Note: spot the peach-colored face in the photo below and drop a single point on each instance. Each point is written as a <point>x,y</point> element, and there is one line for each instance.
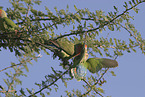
<point>86,47</point>
<point>86,54</point>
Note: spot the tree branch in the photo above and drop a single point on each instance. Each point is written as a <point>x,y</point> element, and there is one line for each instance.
<point>28,60</point>
<point>101,26</point>
<point>95,83</point>
<point>13,79</point>
<point>91,87</point>
<point>131,34</point>
<point>7,91</point>
<point>29,5</point>
<point>49,84</point>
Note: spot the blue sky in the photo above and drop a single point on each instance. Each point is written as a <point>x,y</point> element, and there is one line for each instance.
<point>130,78</point>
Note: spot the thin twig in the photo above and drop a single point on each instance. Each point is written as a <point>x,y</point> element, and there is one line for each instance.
<point>102,46</point>
<point>131,34</point>
<point>101,26</point>
<point>7,91</point>
<point>95,83</point>
<point>13,79</point>
<point>49,84</point>
<point>91,87</point>
<point>18,64</point>
<point>29,5</point>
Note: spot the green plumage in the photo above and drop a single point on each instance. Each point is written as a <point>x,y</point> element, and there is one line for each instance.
<point>5,22</point>
<point>66,46</point>
<point>96,64</point>
<point>82,57</point>
<point>64,49</point>
<point>8,24</point>
<point>80,66</point>
<point>82,63</point>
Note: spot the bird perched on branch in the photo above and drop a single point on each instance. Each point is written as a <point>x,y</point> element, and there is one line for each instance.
<point>82,63</point>
<point>5,23</point>
<point>64,49</point>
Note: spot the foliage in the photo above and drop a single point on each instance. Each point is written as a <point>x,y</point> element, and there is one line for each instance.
<point>37,28</point>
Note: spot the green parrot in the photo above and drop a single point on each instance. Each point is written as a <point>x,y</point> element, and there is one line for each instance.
<point>82,63</point>
<point>64,49</point>
<point>5,22</point>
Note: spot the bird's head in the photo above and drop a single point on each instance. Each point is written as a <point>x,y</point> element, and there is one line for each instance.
<point>2,13</point>
<point>85,52</point>
<point>85,47</point>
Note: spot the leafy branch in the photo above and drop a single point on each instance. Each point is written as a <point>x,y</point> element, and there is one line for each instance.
<point>95,84</point>
<point>101,26</point>
<point>50,83</point>
<point>13,80</point>
<point>91,88</point>
<point>22,62</point>
<point>35,32</point>
<point>135,37</point>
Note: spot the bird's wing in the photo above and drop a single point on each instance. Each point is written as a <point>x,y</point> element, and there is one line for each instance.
<point>9,23</point>
<point>96,64</point>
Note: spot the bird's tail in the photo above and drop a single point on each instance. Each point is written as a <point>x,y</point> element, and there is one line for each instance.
<point>109,63</point>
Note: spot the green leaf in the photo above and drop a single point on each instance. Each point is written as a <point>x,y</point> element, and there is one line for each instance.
<point>136,10</point>
<point>75,8</point>
<point>134,50</point>
<point>115,40</point>
<point>111,27</point>
<point>112,72</point>
<point>26,68</point>
<point>137,1</point>
<point>18,81</point>
<point>7,74</point>
<point>13,64</point>
<point>56,9</point>
<point>100,89</point>
<point>94,79</point>
<point>1,87</point>
<point>48,93</point>
<point>78,18</point>
<point>67,8</point>
<point>85,24</point>
<point>56,89</point>
<point>126,6</point>
<point>130,3</point>
<point>65,84</point>
<point>54,70</point>
<point>42,94</point>
<point>38,84</point>
<point>29,90</point>
<point>37,2</point>
<point>6,82</point>
<point>22,92</point>
<point>133,1</point>
<point>115,8</point>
